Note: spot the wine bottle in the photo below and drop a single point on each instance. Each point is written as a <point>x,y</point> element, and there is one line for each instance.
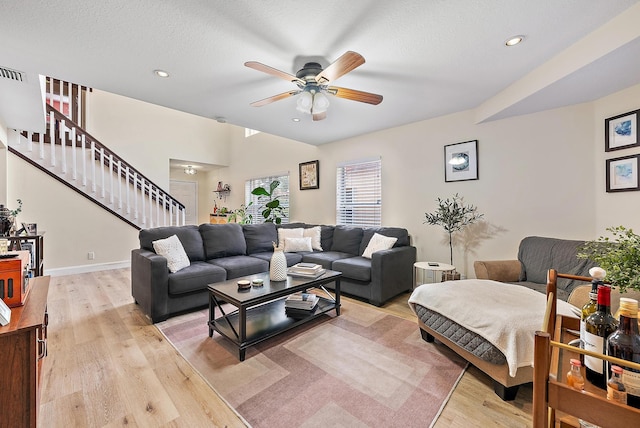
<point>624,343</point>
<point>598,326</point>
<point>589,307</point>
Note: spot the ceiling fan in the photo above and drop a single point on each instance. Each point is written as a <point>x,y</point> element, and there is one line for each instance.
<point>313,84</point>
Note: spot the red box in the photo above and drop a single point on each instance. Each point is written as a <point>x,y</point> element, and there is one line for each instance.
<point>14,283</point>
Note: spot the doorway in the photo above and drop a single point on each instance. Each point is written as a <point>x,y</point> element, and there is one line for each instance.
<point>187,193</point>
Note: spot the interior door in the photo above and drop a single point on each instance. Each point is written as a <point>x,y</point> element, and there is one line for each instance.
<point>187,193</point>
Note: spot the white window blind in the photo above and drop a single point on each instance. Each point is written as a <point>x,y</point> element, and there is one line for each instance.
<point>282,192</point>
<point>359,193</point>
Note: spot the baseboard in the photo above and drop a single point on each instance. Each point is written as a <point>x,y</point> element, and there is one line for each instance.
<point>72,270</point>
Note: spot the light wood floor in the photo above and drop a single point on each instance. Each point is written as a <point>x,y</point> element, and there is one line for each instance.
<point>107,366</point>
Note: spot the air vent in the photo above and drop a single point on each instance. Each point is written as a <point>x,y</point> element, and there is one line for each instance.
<point>7,73</point>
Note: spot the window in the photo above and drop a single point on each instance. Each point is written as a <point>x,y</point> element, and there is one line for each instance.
<point>282,192</point>
<point>359,193</point>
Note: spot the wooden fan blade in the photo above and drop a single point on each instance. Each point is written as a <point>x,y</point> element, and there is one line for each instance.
<point>352,94</point>
<point>347,62</point>
<point>274,72</point>
<point>320,116</point>
<point>274,98</point>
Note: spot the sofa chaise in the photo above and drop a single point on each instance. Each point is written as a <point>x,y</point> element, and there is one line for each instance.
<point>217,252</point>
<point>536,255</point>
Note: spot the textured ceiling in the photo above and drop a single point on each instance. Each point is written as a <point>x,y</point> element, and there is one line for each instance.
<point>426,57</point>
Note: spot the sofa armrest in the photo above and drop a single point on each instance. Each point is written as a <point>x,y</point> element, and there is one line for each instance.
<point>498,270</point>
<point>391,273</point>
<point>150,283</point>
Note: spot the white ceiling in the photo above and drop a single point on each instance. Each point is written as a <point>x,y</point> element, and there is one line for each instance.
<point>427,58</point>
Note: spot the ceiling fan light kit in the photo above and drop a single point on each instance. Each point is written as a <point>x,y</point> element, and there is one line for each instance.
<point>313,85</point>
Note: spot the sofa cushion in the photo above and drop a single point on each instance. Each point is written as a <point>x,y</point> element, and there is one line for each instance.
<point>400,233</point>
<point>315,233</point>
<point>292,258</point>
<point>358,268</point>
<point>171,249</point>
<point>260,237</point>
<point>195,277</point>
<point>378,243</point>
<point>237,266</point>
<point>297,245</point>
<point>284,233</point>
<point>539,254</point>
<point>325,258</point>
<point>347,239</point>
<point>223,240</point>
<point>189,237</point>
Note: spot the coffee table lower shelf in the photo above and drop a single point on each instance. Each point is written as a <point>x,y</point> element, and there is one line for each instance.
<point>264,322</point>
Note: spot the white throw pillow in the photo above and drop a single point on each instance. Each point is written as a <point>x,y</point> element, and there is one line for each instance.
<point>288,233</point>
<point>314,234</point>
<point>171,249</point>
<point>377,243</point>
<point>294,245</point>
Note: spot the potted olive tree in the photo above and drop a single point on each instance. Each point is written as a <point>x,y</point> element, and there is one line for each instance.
<point>453,215</point>
<point>619,255</point>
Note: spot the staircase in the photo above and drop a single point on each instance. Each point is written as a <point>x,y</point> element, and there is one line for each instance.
<point>72,156</point>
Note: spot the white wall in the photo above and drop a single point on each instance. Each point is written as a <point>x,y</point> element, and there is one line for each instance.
<point>619,208</point>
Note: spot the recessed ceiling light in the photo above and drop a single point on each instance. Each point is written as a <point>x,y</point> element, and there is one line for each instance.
<point>296,119</point>
<point>161,73</point>
<point>512,41</point>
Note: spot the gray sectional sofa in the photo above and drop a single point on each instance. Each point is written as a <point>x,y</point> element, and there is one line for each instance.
<point>218,252</point>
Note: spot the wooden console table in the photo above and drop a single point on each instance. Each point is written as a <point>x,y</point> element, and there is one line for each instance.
<point>23,345</point>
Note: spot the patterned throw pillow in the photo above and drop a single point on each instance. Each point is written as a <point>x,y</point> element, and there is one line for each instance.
<point>294,245</point>
<point>378,242</point>
<point>171,249</point>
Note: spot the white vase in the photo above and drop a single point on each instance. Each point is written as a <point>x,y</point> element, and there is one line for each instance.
<point>278,266</point>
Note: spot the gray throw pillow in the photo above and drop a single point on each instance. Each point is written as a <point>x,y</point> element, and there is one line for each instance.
<point>223,240</point>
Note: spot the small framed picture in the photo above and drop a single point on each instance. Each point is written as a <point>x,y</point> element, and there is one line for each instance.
<point>621,132</point>
<point>309,175</point>
<point>30,228</point>
<point>622,174</point>
<point>461,161</point>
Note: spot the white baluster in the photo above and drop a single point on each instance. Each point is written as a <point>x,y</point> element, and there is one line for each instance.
<point>102,181</point>
<point>164,209</point>
<point>150,205</point>
<point>70,98</point>
<point>63,146</point>
<point>93,166</point>
<point>74,172</point>
<point>41,145</point>
<point>128,191</point>
<point>135,194</point>
<point>144,212</point>
<point>52,137</point>
<point>111,185</point>
<point>29,141</point>
<point>119,184</point>
<point>83,153</point>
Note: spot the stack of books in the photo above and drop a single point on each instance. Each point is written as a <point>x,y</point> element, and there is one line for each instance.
<point>306,270</point>
<point>300,304</point>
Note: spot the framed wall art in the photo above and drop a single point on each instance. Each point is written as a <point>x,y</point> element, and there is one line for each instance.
<point>309,175</point>
<point>461,161</point>
<point>621,132</point>
<point>622,174</point>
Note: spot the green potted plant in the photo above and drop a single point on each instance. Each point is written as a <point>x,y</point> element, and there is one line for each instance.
<point>272,210</point>
<point>240,215</point>
<point>453,215</point>
<point>619,255</point>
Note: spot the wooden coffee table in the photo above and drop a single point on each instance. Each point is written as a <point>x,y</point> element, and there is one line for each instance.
<point>260,312</point>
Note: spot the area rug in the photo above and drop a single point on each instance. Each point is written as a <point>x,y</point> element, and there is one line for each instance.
<point>364,368</point>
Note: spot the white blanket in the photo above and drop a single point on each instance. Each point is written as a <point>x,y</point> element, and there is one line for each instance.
<point>506,315</point>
